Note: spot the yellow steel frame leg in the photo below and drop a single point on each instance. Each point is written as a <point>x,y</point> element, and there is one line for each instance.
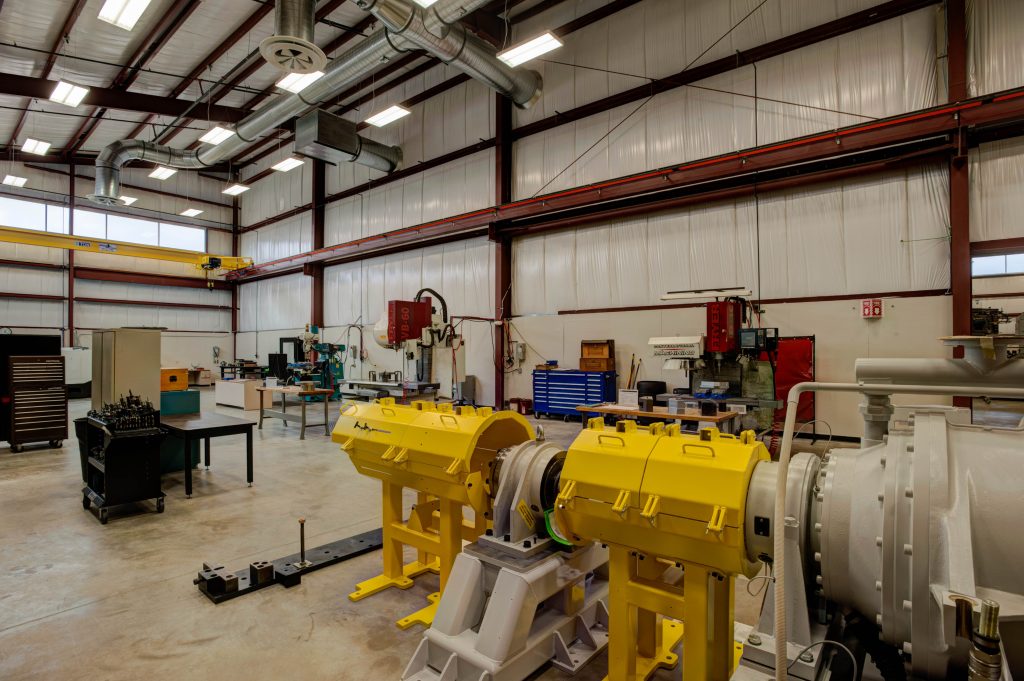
<point>708,649</point>
<point>637,645</point>
<point>435,528</point>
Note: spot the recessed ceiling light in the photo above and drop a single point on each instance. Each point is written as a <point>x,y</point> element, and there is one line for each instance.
<point>127,200</point>
<point>190,212</point>
<point>297,82</point>
<point>35,146</point>
<point>68,93</point>
<point>216,135</point>
<point>162,172</point>
<point>235,189</point>
<point>15,181</point>
<point>123,13</point>
<point>287,164</point>
<point>531,49</point>
<point>388,115</point>
<point>425,3</point>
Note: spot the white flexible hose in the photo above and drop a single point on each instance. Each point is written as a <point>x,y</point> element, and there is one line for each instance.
<point>779,519</point>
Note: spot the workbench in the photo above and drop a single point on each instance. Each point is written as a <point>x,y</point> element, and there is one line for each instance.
<point>725,421</point>
<point>242,371</point>
<point>403,391</point>
<point>191,427</point>
<point>300,418</point>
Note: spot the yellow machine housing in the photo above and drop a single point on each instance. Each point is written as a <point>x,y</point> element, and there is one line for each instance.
<point>659,497</point>
<point>446,455</point>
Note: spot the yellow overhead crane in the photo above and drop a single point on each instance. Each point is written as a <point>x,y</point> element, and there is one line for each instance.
<point>201,261</point>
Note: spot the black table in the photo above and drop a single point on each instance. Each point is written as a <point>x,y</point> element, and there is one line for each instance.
<point>189,427</point>
<point>242,370</point>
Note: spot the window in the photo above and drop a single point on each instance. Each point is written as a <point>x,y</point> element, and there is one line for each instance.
<point>132,230</point>
<point>994,265</point>
<point>88,223</point>
<point>22,214</point>
<point>56,219</point>
<point>179,236</point>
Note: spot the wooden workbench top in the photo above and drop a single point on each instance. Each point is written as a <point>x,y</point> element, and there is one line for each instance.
<point>608,408</point>
<point>295,390</point>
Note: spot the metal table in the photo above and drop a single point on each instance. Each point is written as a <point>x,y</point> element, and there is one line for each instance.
<point>189,427</point>
<point>242,370</point>
<point>300,418</point>
<point>369,390</point>
<point>723,420</point>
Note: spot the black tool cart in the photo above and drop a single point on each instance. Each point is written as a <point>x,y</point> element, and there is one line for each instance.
<point>121,456</point>
<point>33,397</point>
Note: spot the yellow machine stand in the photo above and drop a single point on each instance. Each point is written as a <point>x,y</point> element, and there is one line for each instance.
<point>662,500</point>
<point>446,456</point>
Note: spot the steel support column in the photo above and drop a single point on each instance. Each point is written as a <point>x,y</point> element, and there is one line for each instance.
<point>71,256</point>
<point>316,270</point>
<point>235,222</point>
<point>503,244</point>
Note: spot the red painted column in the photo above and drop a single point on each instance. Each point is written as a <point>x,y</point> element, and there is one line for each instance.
<point>316,270</point>
<point>502,244</point>
<point>235,223</point>
<point>71,255</point>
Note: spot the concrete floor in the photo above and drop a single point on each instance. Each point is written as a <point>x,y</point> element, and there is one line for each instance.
<point>79,600</point>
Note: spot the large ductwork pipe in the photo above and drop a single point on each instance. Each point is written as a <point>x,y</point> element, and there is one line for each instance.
<point>292,48</point>
<point>438,27</point>
<point>437,32</point>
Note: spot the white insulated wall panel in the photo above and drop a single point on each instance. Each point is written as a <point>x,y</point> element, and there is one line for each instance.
<point>881,234</point>
<point>276,193</point>
<point>997,203</point>
<point>32,280</point>
<point>271,304</point>
<point>457,187</point>
<point>288,237</point>
<point>16,312</point>
<point>878,71</point>
<point>995,51</point>
<point>248,304</point>
<point>104,315</point>
<point>87,288</point>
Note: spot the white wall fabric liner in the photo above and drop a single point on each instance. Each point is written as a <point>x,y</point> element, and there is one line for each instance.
<point>102,316</point>
<point>278,303</point>
<point>462,272</point>
<point>278,240</point>
<point>997,202</point>
<point>878,234</point>
<point>276,193</point>
<point>463,185</point>
<point>31,280</point>
<point>878,71</point>
<point>995,51</point>
<point>30,313</point>
<point>87,288</point>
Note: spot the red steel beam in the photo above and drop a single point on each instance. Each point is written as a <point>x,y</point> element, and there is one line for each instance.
<point>938,122</point>
<point>32,265</point>
<point>997,247</point>
<point>154,41</point>
<point>69,22</point>
<point>41,88</point>
<point>96,274</point>
<point>32,296</point>
<point>959,183</point>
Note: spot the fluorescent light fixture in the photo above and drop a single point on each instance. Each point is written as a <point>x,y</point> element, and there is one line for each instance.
<point>297,82</point>
<point>127,200</point>
<point>287,164</point>
<point>388,115</point>
<point>190,212</point>
<point>162,172</point>
<point>235,190</point>
<point>738,291</point>
<point>15,181</point>
<point>68,93</point>
<point>216,135</point>
<point>35,146</point>
<point>123,13</point>
<point>531,49</point>
<point>425,3</point>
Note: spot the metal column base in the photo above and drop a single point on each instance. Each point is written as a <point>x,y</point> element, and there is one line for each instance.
<point>501,618</point>
<point>219,585</point>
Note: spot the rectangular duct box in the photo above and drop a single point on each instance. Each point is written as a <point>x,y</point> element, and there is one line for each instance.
<point>327,137</point>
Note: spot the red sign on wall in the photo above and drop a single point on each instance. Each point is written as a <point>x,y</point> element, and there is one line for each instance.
<point>872,308</point>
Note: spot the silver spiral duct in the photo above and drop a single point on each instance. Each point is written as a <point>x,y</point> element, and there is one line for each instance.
<point>292,48</point>
<point>436,31</point>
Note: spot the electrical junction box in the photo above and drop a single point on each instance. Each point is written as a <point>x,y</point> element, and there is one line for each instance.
<point>872,308</point>
<point>723,325</point>
<point>407,319</point>
<point>678,347</point>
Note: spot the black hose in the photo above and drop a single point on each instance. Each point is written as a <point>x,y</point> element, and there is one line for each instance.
<point>861,637</point>
<point>444,305</point>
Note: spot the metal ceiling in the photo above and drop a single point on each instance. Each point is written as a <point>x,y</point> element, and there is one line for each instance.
<point>217,40</point>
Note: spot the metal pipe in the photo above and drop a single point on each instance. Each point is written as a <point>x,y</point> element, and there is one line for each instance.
<point>410,27</point>
<point>779,516</point>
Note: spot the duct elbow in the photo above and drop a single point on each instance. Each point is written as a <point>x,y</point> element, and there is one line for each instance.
<point>116,155</point>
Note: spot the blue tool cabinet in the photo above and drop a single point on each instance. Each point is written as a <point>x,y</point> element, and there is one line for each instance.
<point>560,392</point>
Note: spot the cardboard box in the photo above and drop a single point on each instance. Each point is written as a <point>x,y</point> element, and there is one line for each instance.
<point>596,364</point>
<point>173,379</point>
